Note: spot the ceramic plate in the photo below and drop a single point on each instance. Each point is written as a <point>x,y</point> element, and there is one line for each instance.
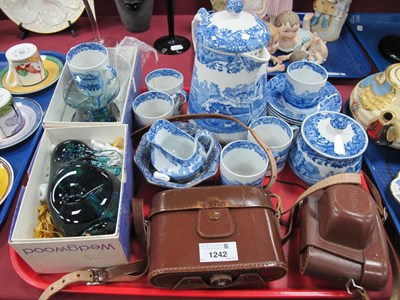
<point>32,113</point>
<point>53,66</point>
<point>142,160</point>
<point>395,188</point>
<point>330,100</point>
<point>43,16</point>
<point>6,179</point>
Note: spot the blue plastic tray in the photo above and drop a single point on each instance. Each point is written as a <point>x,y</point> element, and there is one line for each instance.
<point>20,155</point>
<point>370,28</point>
<point>383,164</point>
<point>345,59</point>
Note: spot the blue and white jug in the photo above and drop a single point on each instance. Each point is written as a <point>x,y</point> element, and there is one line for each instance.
<point>230,69</point>
<point>176,154</point>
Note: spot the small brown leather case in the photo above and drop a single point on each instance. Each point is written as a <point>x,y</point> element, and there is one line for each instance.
<point>189,229</point>
<point>342,238</point>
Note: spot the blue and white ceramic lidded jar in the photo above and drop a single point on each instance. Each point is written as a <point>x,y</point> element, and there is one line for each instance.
<point>330,143</point>
<point>230,69</point>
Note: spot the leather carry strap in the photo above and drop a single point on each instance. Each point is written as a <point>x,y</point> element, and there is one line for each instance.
<point>185,117</point>
<point>127,272</point>
<point>394,260</point>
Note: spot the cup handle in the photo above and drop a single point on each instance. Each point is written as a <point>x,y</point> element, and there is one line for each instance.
<point>295,130</point>
<point>208,135</point>
<point>8,77</point>
<point>180,98</point>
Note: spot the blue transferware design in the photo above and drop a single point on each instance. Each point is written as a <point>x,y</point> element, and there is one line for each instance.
<point>243,145</point>
<point>330,143</point>
<point>208,170</point>
<point>174,152</point>
<point>305,98</point>
<point>330,100</point>
<point>229,74</point>
<point>85,47</point>
<point>163,73</point>
<point>91,82</point>
<point>248,34</point>
<point>95,106</point>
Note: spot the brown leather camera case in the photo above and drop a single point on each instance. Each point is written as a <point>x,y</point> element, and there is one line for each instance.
<point>342,238</point>
<point>214,237</point>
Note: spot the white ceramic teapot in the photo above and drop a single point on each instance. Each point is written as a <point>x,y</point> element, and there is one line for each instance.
<point>230,69</point>
<point>375,104</point>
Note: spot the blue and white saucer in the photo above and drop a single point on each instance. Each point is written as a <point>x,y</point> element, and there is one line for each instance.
<point>278,106</point>
<point>143,162</point>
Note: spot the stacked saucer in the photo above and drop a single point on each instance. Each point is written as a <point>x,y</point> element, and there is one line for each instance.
<point>329,100</point>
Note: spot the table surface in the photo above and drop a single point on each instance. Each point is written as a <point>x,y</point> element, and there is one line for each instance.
<point>113,31</point>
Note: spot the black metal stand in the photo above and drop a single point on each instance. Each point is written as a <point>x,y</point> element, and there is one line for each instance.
<point>24,31</point>
<point>171,44</point>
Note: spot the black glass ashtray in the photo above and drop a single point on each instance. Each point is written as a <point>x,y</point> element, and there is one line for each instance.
<point>389,46</point>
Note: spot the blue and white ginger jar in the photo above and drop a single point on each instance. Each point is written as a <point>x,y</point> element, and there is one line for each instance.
<point>330,143</point>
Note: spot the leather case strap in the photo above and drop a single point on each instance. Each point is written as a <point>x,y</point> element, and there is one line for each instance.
<point>268,151</point>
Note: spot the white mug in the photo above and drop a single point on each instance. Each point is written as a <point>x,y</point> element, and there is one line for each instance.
<point>243,163</point>
<point>303,84</point>
<point>11,119</point>
<point>25,66</point>
<point>90,68</point>
<point>169,81</point>
<point>277,134</point>
<point>151,106</point>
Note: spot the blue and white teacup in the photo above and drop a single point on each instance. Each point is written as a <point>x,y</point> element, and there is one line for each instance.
<point>243,163</point>
<point>277,134</point>
<point>90,68</point>
<point>169,81</point>
<point>304,83</point>
<point>151,106</point>
<point>176,154</point>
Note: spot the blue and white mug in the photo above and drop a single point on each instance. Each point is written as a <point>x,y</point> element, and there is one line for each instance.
<point>243,163</point>
<point>277,134</point>
<point>169,81</point>
<point>90,68</point>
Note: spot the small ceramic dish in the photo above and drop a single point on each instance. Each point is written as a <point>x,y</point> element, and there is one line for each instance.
<point>395,188</point>
<point>6,179</point>
<point>32,113</point>
<point>53,67</point>
<point>330,100</point>
<point>209,169</point>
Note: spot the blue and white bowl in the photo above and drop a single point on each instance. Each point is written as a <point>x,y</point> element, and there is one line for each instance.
<point>330,143</point>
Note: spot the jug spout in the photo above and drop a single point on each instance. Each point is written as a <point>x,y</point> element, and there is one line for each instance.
<point>201,15</point>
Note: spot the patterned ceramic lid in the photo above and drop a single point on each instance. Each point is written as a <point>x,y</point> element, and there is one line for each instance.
<point>231,30</point>
<point>334,135</point>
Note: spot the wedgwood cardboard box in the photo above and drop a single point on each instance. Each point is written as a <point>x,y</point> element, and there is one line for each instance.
<point>126,61</point>
<point>65,254</point>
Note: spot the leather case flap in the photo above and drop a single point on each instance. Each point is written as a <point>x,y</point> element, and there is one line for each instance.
<point>214,223</point>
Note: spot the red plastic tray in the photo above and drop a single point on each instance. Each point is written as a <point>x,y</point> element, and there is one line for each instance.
<point>294,285</point>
